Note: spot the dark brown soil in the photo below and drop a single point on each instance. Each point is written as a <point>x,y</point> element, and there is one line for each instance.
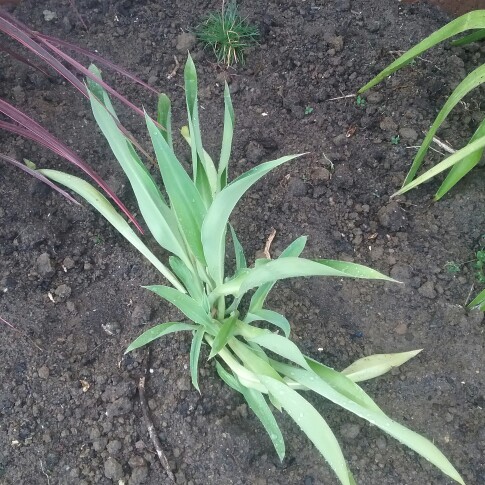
<point>69,413</point>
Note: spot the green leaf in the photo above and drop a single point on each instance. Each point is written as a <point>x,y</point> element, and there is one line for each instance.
<point>157,332</point>
<point>226,138</point>
<point>343,385</point>
<point>443,165</point>
<point>472,20</point>
<point>214,226</point>
<point>184,196</point>
<point>238,251</point>
<point>468,39</point>
<point>377,365</point>
<point>259,296</point>
<point>194,356</point>
<point>281,346</point>
<point>228,378</point>
<point>157,215</point>
<point>203,165</point>
<point>102,205</point>
<point>413,440</point>
<point>223,335</point>
<point>185,275</point>
<point>187,305</point>
<point>311,423</point>
<point>461,168</point>
<point>474,79</point>
<point>259,406</point>
<point>271,317</point>
<point>478,301</point>
<point>291,267</point>
<point>164,118</point>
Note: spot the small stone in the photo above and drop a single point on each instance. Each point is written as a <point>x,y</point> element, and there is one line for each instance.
<point>408,134</point>
<point>427,290</point>
<point>44,266</point>
<point>49,15</point>
<point>43,372</point>
<point>136,461</point>
<point>113,469</point>
<point>388,124</point>
<point>374,98</point>
<point>381,443</point>
<point>141,315</point>
<point>152,80</point>
<point>392,217</point>
<point>254,152</point>
<point>401,329</point>
<point>340,140</point>
<point>114,447</point>
<point>185,42</point>
<point>183,384</point>
<point>139,476</point>
<point>68,263</point>
<point>63,292</point>
<point>321,174</point>
<point>121,406</point>
<point>349,431</point>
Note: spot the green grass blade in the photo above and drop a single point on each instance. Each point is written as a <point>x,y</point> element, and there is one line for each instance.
<point>226,147</point>
<point>157,332</point>
<point>200,161</point>
<point>187,305</point>
<point>413,440</point>
<point>281,346</point>
<point>343,385</point>
<point>269,316</point>
<point>102,205</point>
<point>461,168</point>
<point>157,215</point>
<point>478,301</point>
<point>228,378</point>
<point>259,406</point>
<point>194,356</point>
<point>468,39</point>
<point>376,365</point>
<point>185,275</point>
<point>291,267</point>
<point>259,296</point>
<point>184,196</point>
<point>238,251</point>
<point>214,226</point>
<point>473,80</point>
<point>224,334</point>
<point>312,424</point>
<point>444,165</point>
<point>472,20</point>
<point>164,118</point>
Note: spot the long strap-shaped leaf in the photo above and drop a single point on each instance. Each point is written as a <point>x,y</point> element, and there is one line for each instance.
<point>214,226</point>
<point>473,80</point>
<point>101,204</point>
<point>312,424</point>
<point>413,440</point>
<point>201,163</point>
<point>444,165</point>
<point>184,196</point>
<point>471,20</point>
<point>157,215</point>
<point>464,166</point>
<point>226,146</point>
<point>292,267</point>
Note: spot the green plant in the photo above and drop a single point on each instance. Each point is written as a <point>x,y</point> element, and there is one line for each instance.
<point>360,101</point>
<point>265,366</point>
<point>452,268</point>
<point>395,140</point>
<point>467,158</point>
<point>227,33</point>
<point>308,110</point>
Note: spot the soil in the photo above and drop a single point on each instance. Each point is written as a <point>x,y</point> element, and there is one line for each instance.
<point>68,402</point>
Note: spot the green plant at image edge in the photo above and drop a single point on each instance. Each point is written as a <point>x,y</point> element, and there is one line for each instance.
<point>192,222</point>
<point>464,160</point>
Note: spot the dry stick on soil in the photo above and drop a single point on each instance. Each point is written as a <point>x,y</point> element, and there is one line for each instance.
<point>267,246</point>
<point>151,428</point>
<point>342,97</point>
<point>21,333</point>
<point>175,69</point>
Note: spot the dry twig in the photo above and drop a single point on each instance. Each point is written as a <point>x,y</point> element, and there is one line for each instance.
<point>151,428</point>
<point>175,69</point>
<point>267,246</point>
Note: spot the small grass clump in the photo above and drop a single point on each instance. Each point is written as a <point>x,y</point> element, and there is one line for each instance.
<point>228,34</point>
